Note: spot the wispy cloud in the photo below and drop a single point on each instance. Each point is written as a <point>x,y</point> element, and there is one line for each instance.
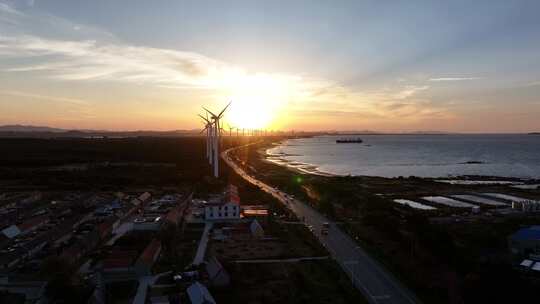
<point>90,60</point>
<point>8,15</point>
<point>45,97</point>
<point>454,78</point>
<point>531,84</point>
<point>7,9</point>
<point>409,91</point>
<point>104,58</point>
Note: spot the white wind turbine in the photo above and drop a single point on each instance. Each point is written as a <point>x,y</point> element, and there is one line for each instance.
<point>217,134</point>
<point>209,134</point>
<point>231,128</point>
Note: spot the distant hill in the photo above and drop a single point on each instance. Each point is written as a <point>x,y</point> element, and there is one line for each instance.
<point>46,132</point>
<point>429,133</point>
<point>370,132</point>
<point>23,128</point>
<point>353,132</point>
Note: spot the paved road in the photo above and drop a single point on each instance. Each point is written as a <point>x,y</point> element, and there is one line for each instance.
<point>377,284</point>
<point>144,282</point>
<point>201,250</point>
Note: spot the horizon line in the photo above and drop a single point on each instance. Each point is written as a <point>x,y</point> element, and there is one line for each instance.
<point>196,130</point>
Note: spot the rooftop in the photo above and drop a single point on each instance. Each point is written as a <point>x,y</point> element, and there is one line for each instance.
<point>530,233</point>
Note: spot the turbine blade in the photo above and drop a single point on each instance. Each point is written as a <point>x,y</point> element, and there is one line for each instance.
<point>213,115</point>
<point>205,128</point>
<point>205,119</point>
<point>222,111</point>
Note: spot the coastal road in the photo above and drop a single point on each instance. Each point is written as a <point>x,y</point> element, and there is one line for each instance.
<point>376,283</point>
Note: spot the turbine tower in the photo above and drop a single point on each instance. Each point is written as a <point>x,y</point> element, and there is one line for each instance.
<point>230,129</point>
<point>208,129</point>
<point>216,137</point>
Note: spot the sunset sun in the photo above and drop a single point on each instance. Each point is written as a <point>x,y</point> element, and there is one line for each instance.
<point>251,112</point>
<point>256,99</point>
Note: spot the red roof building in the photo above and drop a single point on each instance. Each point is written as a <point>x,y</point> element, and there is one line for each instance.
<point>232,195</point>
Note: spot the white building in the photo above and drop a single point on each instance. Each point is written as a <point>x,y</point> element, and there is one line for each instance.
<point>225,209</point>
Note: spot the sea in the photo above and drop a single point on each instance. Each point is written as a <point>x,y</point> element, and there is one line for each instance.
<point>436,156</point>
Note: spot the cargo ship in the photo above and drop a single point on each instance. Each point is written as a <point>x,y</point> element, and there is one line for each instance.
<point>349,141</point>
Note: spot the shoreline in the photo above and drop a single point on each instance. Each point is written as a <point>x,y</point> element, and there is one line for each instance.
<point>279,161</point>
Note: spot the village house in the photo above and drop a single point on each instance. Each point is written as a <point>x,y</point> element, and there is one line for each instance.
<point>25,227</point>
<point>141,199</point>
<point>224,209</point>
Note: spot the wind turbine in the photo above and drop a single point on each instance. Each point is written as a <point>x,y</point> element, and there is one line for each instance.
<point>216,137</point>
<point>230,129</point>
<point>208,129</point>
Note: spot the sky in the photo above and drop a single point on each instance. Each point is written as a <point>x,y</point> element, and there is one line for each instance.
<point>390,66</point>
